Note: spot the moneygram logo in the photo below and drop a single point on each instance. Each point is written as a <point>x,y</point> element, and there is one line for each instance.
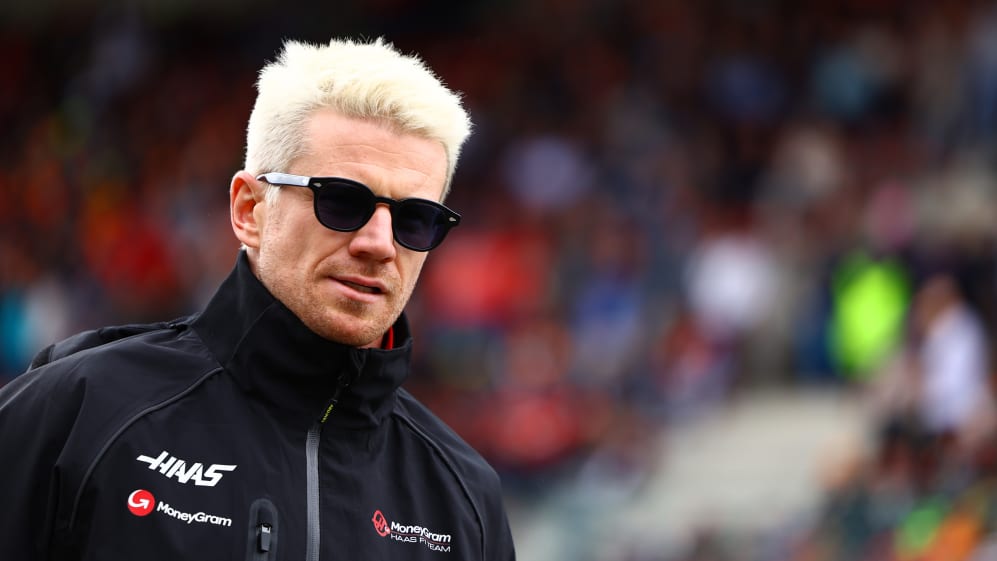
<point>191,517</point>
<point>141,502</point>
<point>411,533</point>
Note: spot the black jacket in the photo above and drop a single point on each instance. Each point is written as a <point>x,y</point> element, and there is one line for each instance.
<point>235,434</point>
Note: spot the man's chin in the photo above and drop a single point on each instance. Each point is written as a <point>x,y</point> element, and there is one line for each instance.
<point>356,336</point>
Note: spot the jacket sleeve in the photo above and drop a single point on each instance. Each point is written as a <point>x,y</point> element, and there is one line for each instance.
<point>499,545</point>
<point>37,413</point>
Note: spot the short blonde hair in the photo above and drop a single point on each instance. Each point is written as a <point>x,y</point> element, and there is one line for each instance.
<point>363,80</point>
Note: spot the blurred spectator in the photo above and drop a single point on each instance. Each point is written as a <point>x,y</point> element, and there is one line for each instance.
<point>953,364</point>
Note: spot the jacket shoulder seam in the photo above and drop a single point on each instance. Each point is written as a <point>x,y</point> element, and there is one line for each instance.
<point>421,433</point>
<point>123,427</point>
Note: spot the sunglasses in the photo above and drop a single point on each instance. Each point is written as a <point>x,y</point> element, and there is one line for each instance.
<point>345,205</point>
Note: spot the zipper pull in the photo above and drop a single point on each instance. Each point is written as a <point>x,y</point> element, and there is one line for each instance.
<point>328,411</point>
<point>342,383</point>
<point>346,377</point>
<point>263,544</point>
<point>262,533</point>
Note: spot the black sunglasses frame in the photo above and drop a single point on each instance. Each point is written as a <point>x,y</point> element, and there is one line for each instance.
<point>446,217</point>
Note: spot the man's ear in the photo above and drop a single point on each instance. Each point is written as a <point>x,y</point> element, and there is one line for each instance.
<point>245,194</point>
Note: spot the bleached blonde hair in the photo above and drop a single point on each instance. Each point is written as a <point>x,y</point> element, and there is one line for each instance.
<point>364,80</point>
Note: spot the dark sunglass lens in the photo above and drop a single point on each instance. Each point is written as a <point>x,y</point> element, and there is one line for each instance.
<point>343,206</point>
<point>419,225</point>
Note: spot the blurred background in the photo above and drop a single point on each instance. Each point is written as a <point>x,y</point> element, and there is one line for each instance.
<point>725,287</point>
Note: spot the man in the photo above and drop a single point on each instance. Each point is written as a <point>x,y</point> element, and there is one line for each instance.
<point>271,425</point>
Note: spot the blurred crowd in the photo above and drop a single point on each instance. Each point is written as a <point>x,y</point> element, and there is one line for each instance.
<point>665,203</point>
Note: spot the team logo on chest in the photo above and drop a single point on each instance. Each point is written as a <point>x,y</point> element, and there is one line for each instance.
<point>411,533</point>
<point>141,502</point>
<point>175,468</point>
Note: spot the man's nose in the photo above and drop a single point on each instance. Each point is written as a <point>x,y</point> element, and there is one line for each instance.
<point>375,239</point>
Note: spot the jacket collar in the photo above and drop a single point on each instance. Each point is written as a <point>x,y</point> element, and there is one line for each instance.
<point>272,354</point>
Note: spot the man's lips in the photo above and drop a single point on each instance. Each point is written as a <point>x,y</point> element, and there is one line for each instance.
<point>367,286</point>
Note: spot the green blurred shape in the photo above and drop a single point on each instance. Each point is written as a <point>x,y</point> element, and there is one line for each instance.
<point>918,530</point>
<point>871,298</point>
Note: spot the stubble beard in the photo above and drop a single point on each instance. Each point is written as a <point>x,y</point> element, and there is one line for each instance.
<point>347,321</point>
<point>339,319</point>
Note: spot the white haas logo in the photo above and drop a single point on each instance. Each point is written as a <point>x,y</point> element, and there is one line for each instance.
<point>171,466</point>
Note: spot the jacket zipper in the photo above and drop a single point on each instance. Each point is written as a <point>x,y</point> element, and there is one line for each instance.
<point>311,464</point>
<point>312,440</point>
